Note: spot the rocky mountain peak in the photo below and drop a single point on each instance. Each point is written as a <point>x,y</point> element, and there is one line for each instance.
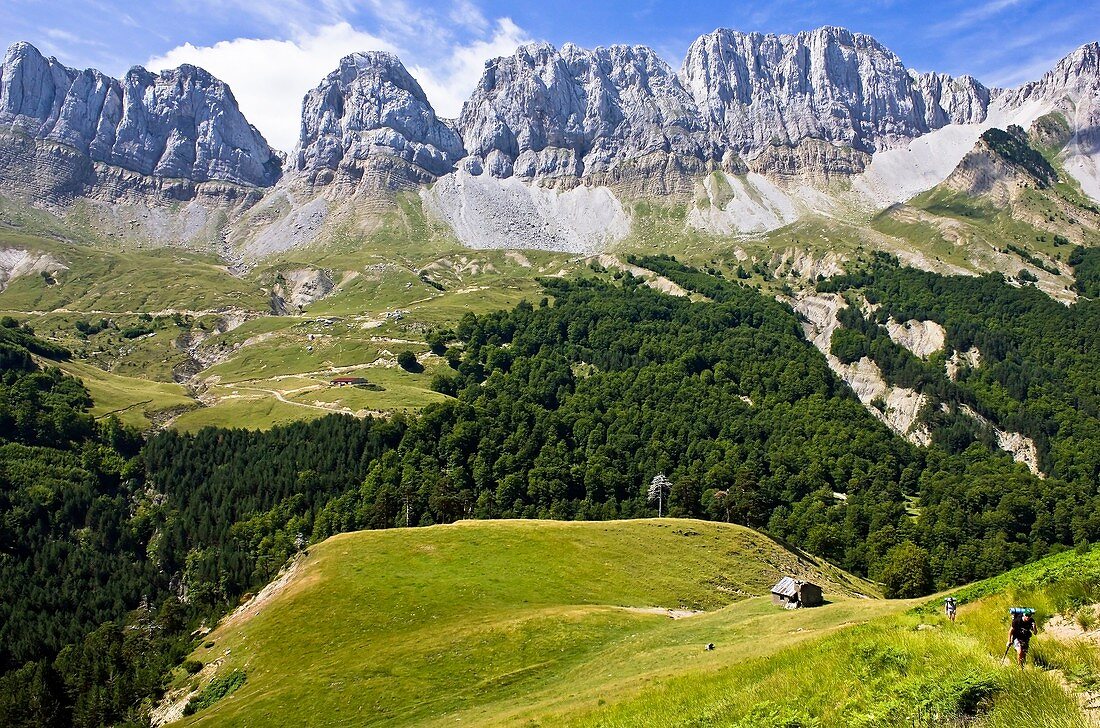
<point>616,114</point>
<point>1076,75</point>
<point>370,120</point>
<point>182,125</point>
<point>758,92</point>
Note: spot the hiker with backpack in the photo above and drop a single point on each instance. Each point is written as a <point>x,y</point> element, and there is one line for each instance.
<point>1021,631</point>
<point>950,605</point>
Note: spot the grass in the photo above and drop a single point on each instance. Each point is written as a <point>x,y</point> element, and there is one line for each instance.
<point>528,623</point>
<point>399,389</point>
<point>249,413</point>
<point>134,400</point>
<point>491,623</point>
<point>130,281</point>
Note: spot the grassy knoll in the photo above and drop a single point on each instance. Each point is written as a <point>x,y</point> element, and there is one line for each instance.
<point>498,622</point>
<point>134,400</point>
<point>911,669</point>
<point>539,623</point>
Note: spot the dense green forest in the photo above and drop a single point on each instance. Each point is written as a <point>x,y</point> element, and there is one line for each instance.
<point>1037,376</point>
<point>114,551</point>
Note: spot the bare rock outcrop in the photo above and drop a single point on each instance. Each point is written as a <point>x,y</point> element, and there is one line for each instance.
<point>616,115</point>
<point>897,407</point>
<point>295,289</point>
<point>923,338</point>
<point>760,93</point>
<point>369,124</point>
<point>66,133</point>
<point>18,262</point>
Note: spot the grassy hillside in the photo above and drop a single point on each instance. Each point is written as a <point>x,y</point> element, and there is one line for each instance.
<point>136,401</point>
<point>551,623</point>
<point>496,622</point>
<point>911,669</point>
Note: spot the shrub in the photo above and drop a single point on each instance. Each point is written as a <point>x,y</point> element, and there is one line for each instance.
<point>191,666</point>
<point>217,689</point>
<point>407,361</point>
<point>905,571</point>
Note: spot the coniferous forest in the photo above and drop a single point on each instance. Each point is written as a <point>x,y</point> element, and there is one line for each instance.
<point>112,550</point>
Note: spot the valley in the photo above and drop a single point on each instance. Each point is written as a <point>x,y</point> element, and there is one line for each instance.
<point>515,418</point>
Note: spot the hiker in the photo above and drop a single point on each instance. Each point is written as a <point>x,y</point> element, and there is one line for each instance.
<point>1019,634</point>
<point>949,606</point>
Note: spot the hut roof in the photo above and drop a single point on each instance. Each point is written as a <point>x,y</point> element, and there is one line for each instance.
<point>786,587</point>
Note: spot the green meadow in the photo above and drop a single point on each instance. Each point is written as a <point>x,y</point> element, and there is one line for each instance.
<point>537,623</point>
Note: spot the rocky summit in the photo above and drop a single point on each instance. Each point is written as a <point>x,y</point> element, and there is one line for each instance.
<point>369,122</point>
<point>751,134</point>
<point>66,133</point>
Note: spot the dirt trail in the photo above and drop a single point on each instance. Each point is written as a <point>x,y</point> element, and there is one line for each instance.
<point>664,612</point>
<point>1067,630</point>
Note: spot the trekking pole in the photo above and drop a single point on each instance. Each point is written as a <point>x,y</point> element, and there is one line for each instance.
<point>1005,655</point>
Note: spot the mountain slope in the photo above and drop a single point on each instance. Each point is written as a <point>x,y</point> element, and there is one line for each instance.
<point>549,623</point>
<point>912,669</point>
<point>494,622</point>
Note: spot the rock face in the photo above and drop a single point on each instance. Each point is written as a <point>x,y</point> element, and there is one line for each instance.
<point>765,95</point>
<point>65,133</point>
<point>295,289</point>
<point>370,123</point>
<point>1072,87</point>
<point>1001,164</point>
<point>609,115</point>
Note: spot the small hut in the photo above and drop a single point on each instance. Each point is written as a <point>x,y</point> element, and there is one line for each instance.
<point>794,594</point>
<point>349,381</point>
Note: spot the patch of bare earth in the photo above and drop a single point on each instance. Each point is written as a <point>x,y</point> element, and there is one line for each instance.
<point>1069,629</point>
<point>662,611</point>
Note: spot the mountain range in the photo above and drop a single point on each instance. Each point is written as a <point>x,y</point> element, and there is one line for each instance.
<point>752,133</point>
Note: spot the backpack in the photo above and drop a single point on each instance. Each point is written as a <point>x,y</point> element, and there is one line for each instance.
<point>1021,629</point>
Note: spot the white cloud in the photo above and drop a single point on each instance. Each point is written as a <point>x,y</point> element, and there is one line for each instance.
<point>270,77</point>
<point>449,83</point>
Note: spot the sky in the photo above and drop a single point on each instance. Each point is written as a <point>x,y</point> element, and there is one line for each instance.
<point>271,52</point>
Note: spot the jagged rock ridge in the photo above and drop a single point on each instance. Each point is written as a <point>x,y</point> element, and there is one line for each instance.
<point>369,122</point>
<point>609,115</point>
<point>835,95</point>
<point>1072,87</point>
<point>65,133</point>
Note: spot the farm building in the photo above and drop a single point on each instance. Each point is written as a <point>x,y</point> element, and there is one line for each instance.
<point>348,381</point>
<point>793,594</point>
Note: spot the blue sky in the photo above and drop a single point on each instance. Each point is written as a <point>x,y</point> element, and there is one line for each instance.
<point>271,52</point>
